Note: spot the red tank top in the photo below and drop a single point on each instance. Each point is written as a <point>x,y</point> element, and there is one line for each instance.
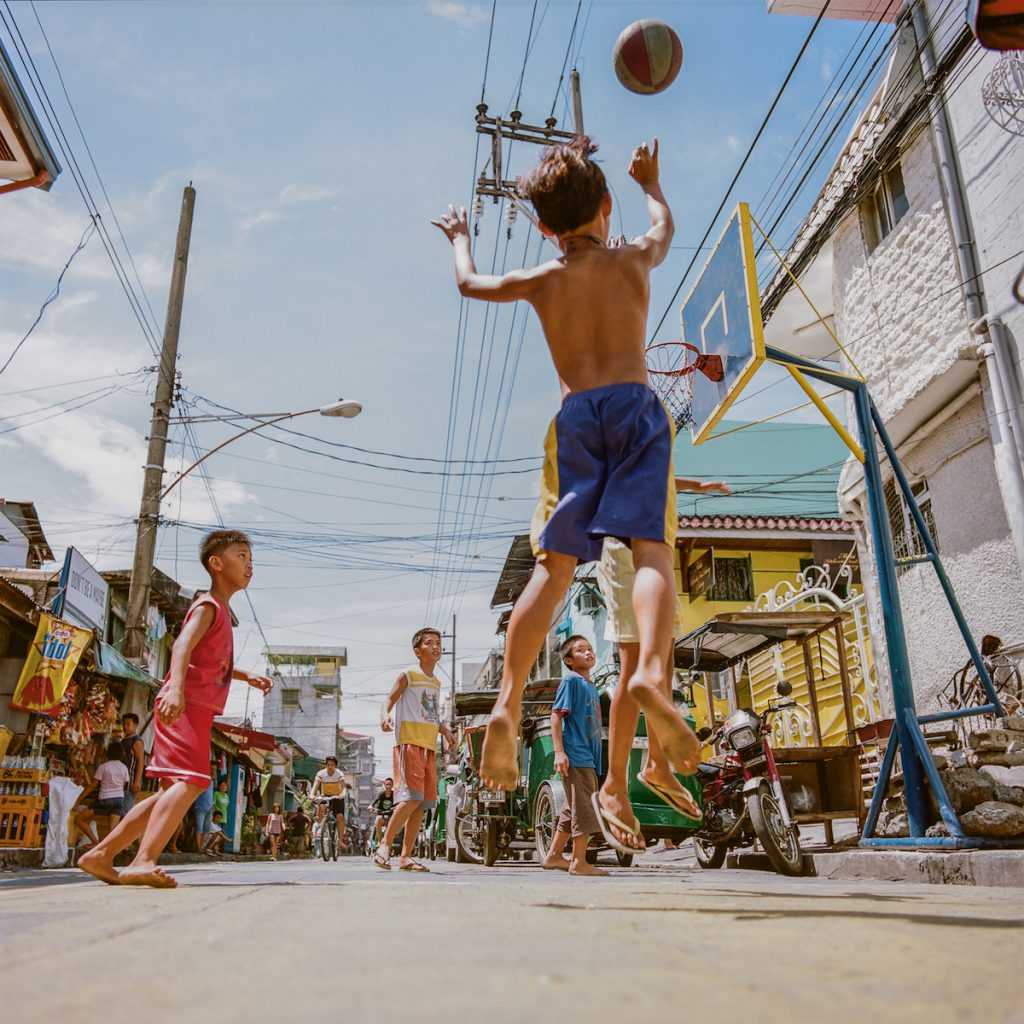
<point>211,662</point>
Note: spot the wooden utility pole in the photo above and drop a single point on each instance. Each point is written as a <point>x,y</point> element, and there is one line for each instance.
<point>149,510</point>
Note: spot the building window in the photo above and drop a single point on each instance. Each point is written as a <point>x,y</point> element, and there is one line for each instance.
<point>885,207</point>
<point>734,580</point>
<point>906,538</point>
<point>323,693</point>
<point>290,698</point>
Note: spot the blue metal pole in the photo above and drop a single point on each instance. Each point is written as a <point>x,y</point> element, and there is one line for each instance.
<point>946,808</point>
<point>884,771</point>
<point>892,617</point>
<point>929,543</point>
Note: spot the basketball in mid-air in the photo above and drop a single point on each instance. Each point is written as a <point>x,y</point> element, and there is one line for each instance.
<point>647,56</point>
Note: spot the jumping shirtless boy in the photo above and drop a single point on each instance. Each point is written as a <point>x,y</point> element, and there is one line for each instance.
<point>608,452</point>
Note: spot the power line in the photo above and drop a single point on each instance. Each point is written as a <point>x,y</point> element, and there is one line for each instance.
<point>82,243</point>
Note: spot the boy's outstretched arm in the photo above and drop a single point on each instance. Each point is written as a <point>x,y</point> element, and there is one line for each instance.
<point>262,683</point>
<point>517,284</point>
<point>643,169</point>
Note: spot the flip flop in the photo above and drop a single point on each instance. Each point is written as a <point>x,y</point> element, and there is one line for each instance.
<point>606,818</point>
<point>680,800</point>
<point>382,862</point>
<point>413,866</point>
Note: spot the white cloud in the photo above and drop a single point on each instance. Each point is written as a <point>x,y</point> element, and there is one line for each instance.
<point>732,143</point>
<point>258,219</point>
<point>302,193</point>
<point>464,15</point>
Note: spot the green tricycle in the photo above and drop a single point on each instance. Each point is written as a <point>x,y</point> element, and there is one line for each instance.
<point>483,826</point>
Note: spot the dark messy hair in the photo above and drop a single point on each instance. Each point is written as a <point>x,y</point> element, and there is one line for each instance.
<point>565,651</point>
<point>417,637</point>
<point>566,187</point>
<point>214,543</point>
<point>130,716</point>
<point>115,750</point>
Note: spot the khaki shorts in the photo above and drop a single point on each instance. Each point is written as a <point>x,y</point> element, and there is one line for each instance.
<point>615,578</point>
<point>578,817</point>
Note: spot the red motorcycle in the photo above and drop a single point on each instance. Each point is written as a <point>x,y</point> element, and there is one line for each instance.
<point>743,795</point>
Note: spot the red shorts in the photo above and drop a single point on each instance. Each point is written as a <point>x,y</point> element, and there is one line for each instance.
<point>181,750</point>
<point>415,775</point>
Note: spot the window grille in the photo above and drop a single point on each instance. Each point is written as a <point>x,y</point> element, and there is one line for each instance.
<point>906,538</point>
<point>290,698</point>
<point>734,580</point>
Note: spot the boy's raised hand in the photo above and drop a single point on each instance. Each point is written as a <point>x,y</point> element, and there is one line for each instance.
<point>643,168</point>
<point>453,224</point>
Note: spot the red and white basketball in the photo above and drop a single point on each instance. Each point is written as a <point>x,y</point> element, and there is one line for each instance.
<point>647,56</point>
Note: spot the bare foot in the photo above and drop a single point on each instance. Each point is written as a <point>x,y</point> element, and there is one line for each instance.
<point>583,868</point>
<point>618,805</point>
<point>498,767</point>
<point>556,862</point>
<point>681,746</point>
<point>98,866</point>
<point>148,874</point>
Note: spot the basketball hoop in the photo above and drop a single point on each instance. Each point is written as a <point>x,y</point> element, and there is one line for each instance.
<point>671,365</point>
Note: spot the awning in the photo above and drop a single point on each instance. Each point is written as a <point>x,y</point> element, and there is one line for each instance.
<point>109,661</point>
<point>247,739</point>
<point>729,638</point>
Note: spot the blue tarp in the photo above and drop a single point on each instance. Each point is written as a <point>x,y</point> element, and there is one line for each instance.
<point>111,662</point>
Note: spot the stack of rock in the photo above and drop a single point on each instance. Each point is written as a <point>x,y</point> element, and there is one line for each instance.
<point>985,784</point>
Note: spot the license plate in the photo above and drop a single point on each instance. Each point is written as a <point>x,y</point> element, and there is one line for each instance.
<point>639,742</point>
<point>491,796</point>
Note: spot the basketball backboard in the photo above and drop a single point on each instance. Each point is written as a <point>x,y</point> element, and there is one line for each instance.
<point>722,316</point>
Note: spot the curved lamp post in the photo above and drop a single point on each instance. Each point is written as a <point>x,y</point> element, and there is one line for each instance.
<point>346,408</point>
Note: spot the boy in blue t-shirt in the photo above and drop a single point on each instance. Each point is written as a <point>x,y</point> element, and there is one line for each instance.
<point>576,734</point>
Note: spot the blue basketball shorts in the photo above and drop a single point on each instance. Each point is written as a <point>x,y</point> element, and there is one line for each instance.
<point>607,473</point>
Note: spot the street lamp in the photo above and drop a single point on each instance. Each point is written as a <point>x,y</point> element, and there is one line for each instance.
<point>346,408</point>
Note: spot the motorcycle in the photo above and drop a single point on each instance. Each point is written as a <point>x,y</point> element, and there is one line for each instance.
<point>743,795</point>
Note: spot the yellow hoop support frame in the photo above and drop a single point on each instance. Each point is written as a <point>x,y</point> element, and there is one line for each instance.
<point>825,411</point>
<point>821,319</point>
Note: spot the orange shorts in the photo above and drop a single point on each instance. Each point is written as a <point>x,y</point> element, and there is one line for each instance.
<point>415,775</point>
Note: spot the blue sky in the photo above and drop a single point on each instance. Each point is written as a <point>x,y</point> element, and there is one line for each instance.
<point>321,138</point>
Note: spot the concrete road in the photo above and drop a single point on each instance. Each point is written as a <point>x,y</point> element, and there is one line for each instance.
<point>302,941</point>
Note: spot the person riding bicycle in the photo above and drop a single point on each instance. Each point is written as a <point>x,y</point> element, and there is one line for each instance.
<point>384,804</point>
<point>330,782</point>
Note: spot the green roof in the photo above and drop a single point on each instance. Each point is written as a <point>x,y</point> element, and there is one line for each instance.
<point>774,469</point>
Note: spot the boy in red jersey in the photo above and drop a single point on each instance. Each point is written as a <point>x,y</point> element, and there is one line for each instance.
<point>194,692</point>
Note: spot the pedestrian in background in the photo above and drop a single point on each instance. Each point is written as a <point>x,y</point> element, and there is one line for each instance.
<point>134,758</point>
<point>111,778</point>
<point>202,811</point>
<point>275,829</point>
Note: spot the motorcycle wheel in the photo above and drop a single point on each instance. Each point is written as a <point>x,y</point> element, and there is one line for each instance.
<point>545,818</point>
<point>625,859</point>
<point>709,855</point>
<point>432,844</point>
<point>464,852</point>
<point>490,844</point>
<point>780,843</point>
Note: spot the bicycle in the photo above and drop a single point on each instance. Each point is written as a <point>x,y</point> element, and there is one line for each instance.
<point>328,839</point>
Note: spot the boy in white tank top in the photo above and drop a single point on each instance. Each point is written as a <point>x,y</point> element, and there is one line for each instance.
<point>416,701</point>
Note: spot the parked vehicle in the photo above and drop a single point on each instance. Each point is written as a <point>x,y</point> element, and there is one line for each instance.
<point>484,826</point>
<point>744,798</point>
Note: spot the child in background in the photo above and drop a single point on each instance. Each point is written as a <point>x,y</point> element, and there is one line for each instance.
<point>576,736</point>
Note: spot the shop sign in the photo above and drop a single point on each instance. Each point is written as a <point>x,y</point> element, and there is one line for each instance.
<point>835,556</point>
<point>701,575</point>
<point>82,597</point>
<point>50,664</point>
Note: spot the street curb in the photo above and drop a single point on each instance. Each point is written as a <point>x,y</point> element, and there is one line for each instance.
<point>998,868</point>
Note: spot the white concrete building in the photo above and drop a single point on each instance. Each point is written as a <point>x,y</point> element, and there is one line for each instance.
<point>910,251</point>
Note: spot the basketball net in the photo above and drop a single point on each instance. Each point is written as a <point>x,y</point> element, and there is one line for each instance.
<point>671,366</point>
